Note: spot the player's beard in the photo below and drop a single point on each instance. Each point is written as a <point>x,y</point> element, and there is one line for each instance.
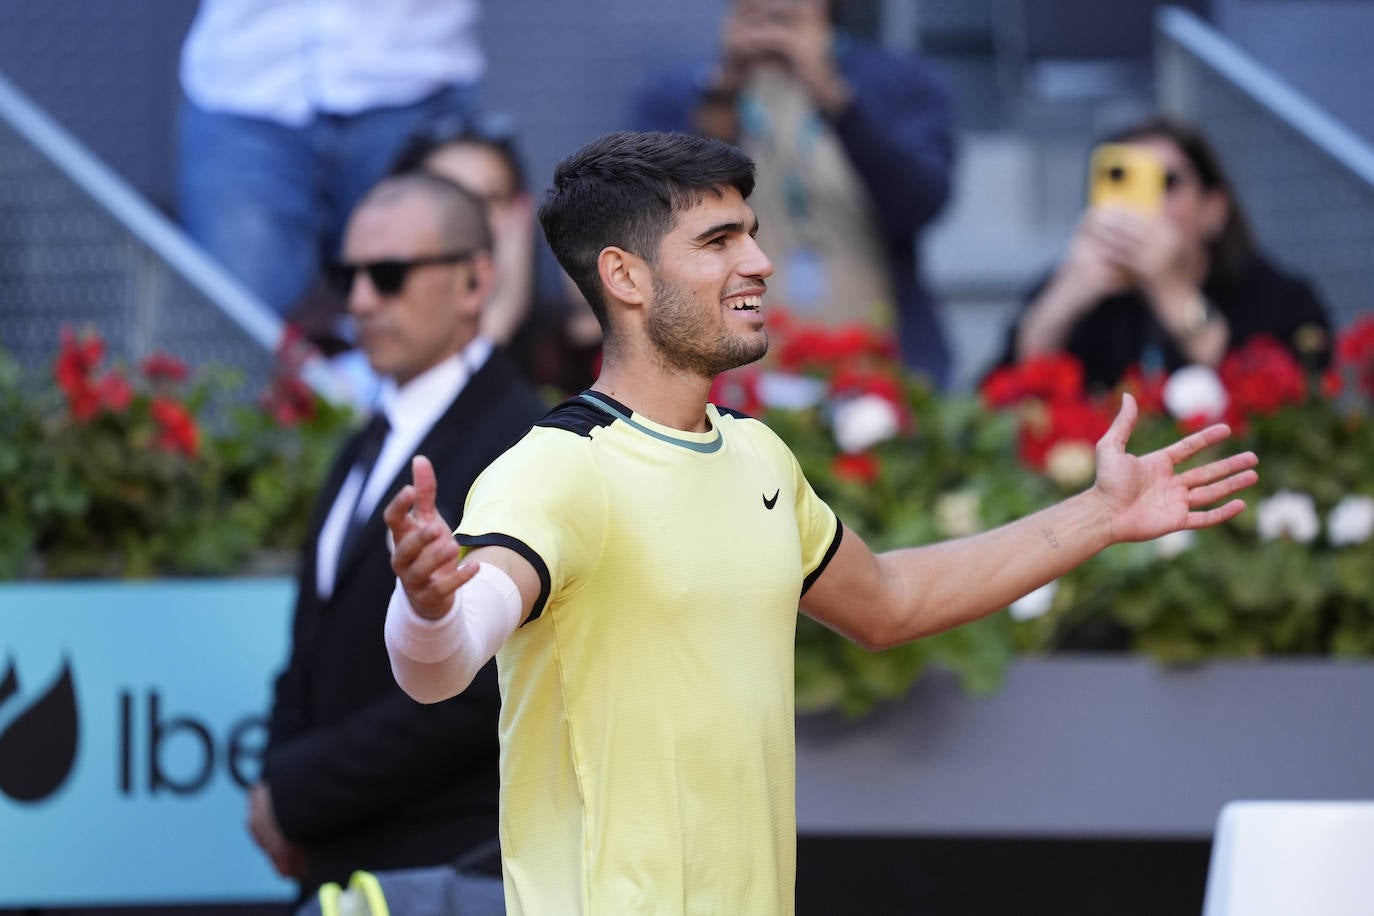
<point>686,340</point>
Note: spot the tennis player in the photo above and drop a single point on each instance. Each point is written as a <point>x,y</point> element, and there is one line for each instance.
<point>636,563</point>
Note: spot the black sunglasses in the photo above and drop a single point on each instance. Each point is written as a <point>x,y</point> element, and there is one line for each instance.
<point>389,276</point>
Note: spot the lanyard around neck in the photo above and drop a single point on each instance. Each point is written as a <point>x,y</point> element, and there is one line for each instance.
<point>756,122</point>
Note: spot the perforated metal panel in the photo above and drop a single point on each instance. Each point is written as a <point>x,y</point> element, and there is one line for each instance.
<point>106,71</point>
<point>78,247</point>
<point>1310,210</point>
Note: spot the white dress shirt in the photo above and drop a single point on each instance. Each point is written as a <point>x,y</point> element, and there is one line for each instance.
<point>288,60</point>
<point>411,411</point>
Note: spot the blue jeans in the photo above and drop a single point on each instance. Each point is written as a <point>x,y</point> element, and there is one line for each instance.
<point>270,202</point>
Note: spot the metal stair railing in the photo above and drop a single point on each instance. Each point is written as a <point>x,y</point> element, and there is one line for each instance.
<point>1305,180</point>
<point>79,246</point>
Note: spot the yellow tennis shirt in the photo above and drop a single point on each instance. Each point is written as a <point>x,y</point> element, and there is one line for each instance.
<point>647,749</point>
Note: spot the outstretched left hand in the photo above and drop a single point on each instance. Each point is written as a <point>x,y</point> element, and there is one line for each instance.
<point>1147,496</point>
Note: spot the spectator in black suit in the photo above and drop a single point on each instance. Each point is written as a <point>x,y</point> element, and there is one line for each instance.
<point>356,774</point>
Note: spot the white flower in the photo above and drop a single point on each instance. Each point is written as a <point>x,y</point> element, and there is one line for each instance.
<point>1351,521</point>
<point>1288,514</point>
<point>1195,391</point>
<point>790,392</point>
<point>957,513</point>
<point>1030,606</point>
<point>1174,543</point>
<point>863,422</point>
<point>1071,463</point>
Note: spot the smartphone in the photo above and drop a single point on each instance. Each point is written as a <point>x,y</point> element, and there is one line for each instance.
<point>1127,176</point>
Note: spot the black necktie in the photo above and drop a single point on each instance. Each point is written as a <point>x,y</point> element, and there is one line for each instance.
<point>369,447</point>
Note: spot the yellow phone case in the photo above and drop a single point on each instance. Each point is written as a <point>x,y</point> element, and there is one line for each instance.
<point>1127,176</point>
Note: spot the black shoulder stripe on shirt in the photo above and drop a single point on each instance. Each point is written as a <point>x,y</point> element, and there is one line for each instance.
<point>526,551</point>
<point>576,416</point>
<point>825,560</point>
<point>731,412</point>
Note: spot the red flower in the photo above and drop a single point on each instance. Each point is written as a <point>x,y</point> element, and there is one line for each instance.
<point>84,402</point>
<point>1261,377</point>
<point>860,468</point>
<point>177,430</point>
<point>1200,421</point>
<point>860,341</point>
<point>113,392</point>
<point>1332,384</point>
<point>852,382</point>
<point>76,361</point>
<point>1003,387</point>
<point>1356,344</point>
<point>818,347</point>
<point>1148,389</point>
<point>1056,378</point>
<point>163,367</point>
<point>1355,354</point>
<point>289,400</point>
<point>1078,421</point>
<point>738,389</point>
<point>807,347</point>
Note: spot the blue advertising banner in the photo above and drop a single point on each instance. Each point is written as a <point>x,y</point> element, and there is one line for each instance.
<point>132,719</point>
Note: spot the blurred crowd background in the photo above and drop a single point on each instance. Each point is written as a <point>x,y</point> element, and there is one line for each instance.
<point>1032,84</point>
<point>951,173</point>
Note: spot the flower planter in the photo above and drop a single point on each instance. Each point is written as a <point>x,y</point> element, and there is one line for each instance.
<point>1091,746</point>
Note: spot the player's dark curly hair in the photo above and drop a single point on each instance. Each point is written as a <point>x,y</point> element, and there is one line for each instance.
<point>626,190</point>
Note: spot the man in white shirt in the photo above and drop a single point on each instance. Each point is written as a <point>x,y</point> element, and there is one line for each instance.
<point>295,108</point>
<point>356,775</point>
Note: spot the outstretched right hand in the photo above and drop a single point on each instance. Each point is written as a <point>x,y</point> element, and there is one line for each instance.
<point>425,558</point>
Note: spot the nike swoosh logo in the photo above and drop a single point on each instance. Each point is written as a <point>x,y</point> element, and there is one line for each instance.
<point>770,503</point>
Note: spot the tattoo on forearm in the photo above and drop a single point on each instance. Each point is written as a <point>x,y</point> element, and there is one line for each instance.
<point>1050,538</point>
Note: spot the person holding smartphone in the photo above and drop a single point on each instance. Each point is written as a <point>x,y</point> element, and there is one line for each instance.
<point>855,150</point>
<point>1163,270</point>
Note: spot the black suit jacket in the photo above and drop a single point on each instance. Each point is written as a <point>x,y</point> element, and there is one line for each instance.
<point>361,775</point>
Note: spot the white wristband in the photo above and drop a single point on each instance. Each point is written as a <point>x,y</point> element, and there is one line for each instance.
<point>485,611</point>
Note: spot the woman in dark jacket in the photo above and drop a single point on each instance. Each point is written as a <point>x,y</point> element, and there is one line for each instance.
<point>1185,285</point>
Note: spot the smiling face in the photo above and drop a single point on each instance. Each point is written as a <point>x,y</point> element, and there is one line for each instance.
<point>709,279</point>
